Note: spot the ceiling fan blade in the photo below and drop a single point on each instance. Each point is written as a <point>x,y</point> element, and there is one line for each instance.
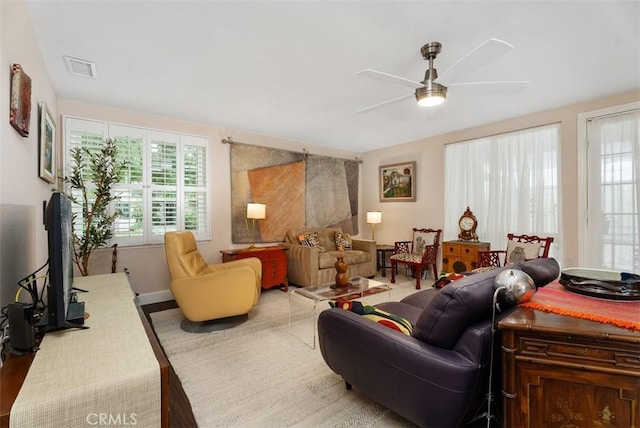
<point>501,86</point>
<point>483,54</point>
<point>390,78</point>
<point>384,103</point>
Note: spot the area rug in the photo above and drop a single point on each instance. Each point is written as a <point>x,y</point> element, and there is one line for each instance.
<point>263,373</point>
<point>554,298</point>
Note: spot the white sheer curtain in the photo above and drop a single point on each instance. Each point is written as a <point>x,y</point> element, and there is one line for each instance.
<point>510,182</point>
<point>614,192</point>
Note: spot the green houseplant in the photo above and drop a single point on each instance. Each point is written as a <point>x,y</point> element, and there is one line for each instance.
<point>93,176</point>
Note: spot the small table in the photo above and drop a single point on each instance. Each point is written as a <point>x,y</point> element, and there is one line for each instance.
<point>381,251</point>
<point>274,264</point>
<point>358,288</point>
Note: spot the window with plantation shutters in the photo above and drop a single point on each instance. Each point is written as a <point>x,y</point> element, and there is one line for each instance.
<point>164,185</point>
<point>194,177</point>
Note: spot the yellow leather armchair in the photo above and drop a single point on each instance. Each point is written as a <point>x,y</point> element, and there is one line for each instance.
<point>207,292</point>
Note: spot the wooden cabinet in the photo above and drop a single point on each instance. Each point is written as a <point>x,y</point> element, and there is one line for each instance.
<point>274,263</point>
<point>46,383</point>
<point>560,371</point>
<point>461,256</point>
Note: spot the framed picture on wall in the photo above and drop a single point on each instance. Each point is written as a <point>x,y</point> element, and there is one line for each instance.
<point>47,145</point>
<point>397,182</point>
<point>20,103</point>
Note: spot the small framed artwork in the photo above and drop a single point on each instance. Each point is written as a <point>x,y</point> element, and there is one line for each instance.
<point>397,182</point>
<point>47,145</point>
<point>20,103</point>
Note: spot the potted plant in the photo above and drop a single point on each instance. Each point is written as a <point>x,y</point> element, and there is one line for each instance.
<point>93,176</point>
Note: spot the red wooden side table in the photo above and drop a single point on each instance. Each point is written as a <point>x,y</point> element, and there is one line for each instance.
<point>274,264</point>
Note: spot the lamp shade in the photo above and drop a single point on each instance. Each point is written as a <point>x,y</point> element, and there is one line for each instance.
<point>256,211</point>
<point>374,217</point>
<point>518,286</point>
<point>431,95</point>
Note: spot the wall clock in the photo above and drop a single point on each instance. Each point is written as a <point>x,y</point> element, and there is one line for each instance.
<point>467,225</point>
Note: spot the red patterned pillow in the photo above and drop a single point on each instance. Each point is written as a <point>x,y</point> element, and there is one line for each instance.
<point>376,315</point>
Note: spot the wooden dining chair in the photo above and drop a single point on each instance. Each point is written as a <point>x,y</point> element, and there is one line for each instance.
<point>419,253</point>
<point>519,249</point>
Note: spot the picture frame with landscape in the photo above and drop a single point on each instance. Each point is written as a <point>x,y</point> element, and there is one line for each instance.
<point>397,182</point>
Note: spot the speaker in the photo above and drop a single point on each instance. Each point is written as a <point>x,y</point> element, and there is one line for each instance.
<point>22,337</point>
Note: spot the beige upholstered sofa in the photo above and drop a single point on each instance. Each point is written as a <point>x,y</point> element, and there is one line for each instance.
<point>309,266</point>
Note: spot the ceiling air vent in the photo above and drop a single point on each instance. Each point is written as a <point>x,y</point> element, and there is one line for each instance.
<point>80,67</point>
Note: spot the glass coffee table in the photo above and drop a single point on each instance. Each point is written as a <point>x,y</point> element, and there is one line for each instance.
<point>359,287</point>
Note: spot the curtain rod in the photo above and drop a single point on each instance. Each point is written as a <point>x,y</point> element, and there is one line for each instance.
<point>305,151</point>
<point>618,113</point>
<point>513,131</point>
<point>228,140</point>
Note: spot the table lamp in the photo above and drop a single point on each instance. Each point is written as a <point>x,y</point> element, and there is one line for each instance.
<point>254,212</point>
<point>373,218</point>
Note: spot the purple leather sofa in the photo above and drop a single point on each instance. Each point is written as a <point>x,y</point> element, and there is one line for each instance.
<point>438,376</point>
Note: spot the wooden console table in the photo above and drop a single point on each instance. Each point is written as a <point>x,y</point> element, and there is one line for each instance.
<point>116,367</point>
<point>461,256</point>
<point>274,263</point>
<point>565,371</point>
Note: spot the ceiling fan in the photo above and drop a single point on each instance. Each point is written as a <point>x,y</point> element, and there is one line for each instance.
<point>432,93</point>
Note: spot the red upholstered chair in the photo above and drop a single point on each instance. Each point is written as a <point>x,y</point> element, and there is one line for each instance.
<point>519,248</point>
<point>421,252</point>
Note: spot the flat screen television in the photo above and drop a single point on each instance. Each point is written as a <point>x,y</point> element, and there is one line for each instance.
<point>62,311</point>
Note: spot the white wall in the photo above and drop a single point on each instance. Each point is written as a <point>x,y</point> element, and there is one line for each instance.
<point>428,211</point>
<point>147,265</point>
<point>23,241</point>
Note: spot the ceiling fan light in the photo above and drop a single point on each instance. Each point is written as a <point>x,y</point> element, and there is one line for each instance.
<point>429,97</point>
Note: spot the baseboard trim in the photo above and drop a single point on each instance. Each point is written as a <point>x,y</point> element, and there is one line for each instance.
<point>155,297</point>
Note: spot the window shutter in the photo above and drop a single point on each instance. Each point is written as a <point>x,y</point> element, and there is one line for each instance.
<point>84,134</point>
<point>164,186</point>
<point>129,225</point>
<point>195,201</point>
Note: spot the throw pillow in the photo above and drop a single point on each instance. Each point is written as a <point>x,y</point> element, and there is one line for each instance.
<point>311,240</point>
<point>518,252</point>
<point>349,243</point>
<point>376,315</point>
<point>343,241</point>
<point>446,279</point>
<point>421,241</point>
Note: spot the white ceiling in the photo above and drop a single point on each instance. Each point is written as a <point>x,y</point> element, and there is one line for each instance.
<point>288,69</point>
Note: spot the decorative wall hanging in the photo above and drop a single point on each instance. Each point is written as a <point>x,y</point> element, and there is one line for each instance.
<point>300,190</point>
<point>20,104</point>
<point>47,145</point>
<point>397,182</point>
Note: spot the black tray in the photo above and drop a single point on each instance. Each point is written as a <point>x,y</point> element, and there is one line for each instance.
<point>601,283</point>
